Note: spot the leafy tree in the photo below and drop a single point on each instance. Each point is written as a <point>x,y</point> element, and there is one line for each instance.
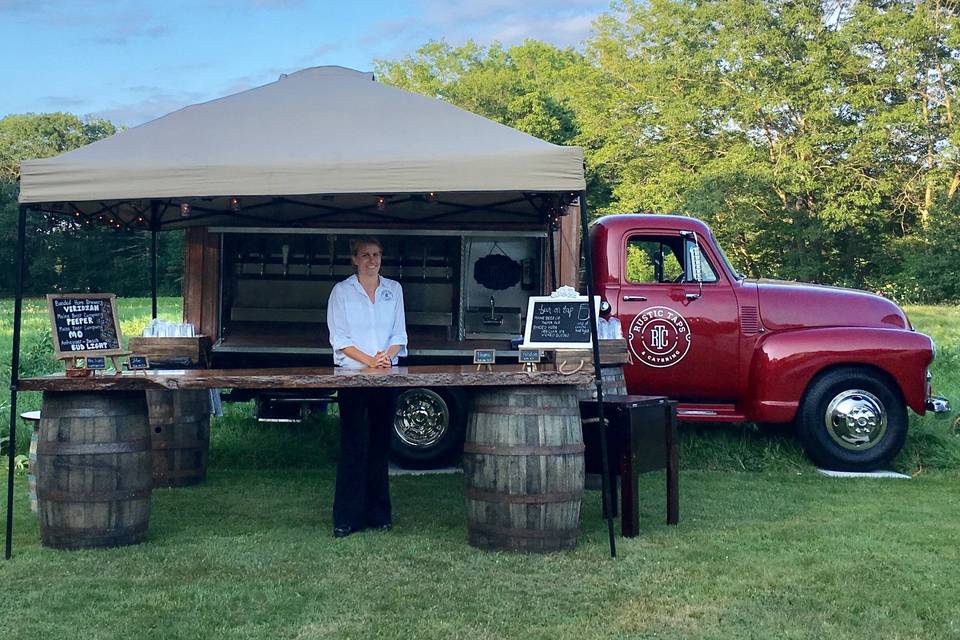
<point>65,255</point>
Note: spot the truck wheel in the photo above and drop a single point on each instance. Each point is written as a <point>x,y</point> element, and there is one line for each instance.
<point>428,429</point>
<point>852,419</point>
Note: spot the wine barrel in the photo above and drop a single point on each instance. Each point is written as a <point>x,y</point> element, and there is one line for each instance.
<point>614,383</point>
<point>180,435</point>
<point>523,464</point>
<point>613,355</point>
<point>32,418</point>
<point>93,469</point>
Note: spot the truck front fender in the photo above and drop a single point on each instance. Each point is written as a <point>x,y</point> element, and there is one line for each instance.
<point>785,363</point>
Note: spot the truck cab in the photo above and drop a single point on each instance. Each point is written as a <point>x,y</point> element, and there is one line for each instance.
<point>842,364</point>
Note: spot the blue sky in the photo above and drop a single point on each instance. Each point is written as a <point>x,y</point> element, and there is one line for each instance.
<point>136,60</point>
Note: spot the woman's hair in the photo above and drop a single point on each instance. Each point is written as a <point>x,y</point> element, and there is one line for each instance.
<point>356,243</point>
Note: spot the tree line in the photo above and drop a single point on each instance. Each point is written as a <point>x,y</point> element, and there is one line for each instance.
<point>817,137</point>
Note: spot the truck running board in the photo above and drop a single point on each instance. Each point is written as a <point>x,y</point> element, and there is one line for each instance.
<point>709,413</point>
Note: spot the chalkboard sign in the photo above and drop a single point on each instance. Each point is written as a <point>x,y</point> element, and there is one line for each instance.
<point>96,363</point>
<point>138,362</point>
<point>85,324</point>
<point>559,323</point>
<point>484,356</point>
<point>529,356</point>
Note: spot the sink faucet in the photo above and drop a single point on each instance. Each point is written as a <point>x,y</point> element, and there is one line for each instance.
<point>493,319</point>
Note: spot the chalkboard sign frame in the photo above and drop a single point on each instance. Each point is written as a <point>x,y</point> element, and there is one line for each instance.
<point>484,356</point>
<point>95,362</point>
<point>528,330</point>
<point>138,362</point>
<point>111,299</point>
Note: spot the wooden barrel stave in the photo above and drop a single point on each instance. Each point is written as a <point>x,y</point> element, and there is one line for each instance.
<point>93,469</point>
<point>180,433</point>
<point>614,383</point>
<point>524,469</point>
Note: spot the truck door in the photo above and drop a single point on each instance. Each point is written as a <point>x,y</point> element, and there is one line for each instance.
<point>683,334</point>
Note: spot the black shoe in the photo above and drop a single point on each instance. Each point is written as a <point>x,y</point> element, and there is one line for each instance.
<point>343,532</point>
<point>382,527</point>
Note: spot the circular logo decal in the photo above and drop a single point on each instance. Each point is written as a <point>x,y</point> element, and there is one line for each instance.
<point>659,337</point>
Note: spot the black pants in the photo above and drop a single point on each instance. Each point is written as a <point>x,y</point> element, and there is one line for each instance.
<point>362,497</point>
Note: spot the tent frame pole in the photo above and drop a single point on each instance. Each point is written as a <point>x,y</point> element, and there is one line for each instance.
<point>153,257</point>
<point>598,376</point>
<point>14,374</point>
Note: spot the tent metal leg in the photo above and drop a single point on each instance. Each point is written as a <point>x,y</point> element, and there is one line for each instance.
<point>14,376</point>
<point>153,270</point>
<point>598,379</point>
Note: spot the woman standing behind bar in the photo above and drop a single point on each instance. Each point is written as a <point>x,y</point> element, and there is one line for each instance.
<point>367,329</point>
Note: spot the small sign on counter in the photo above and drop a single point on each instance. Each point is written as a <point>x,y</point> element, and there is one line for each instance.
<point>95,363</point>
<point>138,362</point>
<point>559,323</point>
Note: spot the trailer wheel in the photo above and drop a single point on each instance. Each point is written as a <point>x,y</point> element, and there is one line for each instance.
<point>428,428</point>
<point>852,419</point>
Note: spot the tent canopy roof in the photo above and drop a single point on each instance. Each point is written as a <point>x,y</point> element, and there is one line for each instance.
<point>322,130</point>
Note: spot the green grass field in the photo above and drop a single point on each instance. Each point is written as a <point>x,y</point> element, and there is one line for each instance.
<point>766,548</point>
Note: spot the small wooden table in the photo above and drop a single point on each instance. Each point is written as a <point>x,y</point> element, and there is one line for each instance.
<point>641,436</point>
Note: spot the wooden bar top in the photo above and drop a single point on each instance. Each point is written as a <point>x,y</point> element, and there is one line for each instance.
<point>310,378</point>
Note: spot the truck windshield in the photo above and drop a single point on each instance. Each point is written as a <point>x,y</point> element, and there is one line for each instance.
<point>723,256</point>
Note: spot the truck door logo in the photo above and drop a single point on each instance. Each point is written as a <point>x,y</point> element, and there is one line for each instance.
<point>659,337</point>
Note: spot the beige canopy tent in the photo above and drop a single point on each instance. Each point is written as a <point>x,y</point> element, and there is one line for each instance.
<point>318,132</point>
<point>321,146</point>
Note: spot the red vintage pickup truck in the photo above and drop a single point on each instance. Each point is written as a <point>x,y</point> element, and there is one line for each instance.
<point>842,364</point>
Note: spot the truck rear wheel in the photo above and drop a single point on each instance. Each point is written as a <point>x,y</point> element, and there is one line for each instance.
<point>428,428</point>
<point>852,419</point>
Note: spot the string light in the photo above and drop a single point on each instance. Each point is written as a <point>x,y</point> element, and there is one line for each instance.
<point>235,204</point>
<point>381,203</point>
<point>432,197</point>
<point>184,209</point>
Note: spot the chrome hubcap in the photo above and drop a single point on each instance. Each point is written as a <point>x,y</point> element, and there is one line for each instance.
<point>422,418</point>
<point>856,419</point>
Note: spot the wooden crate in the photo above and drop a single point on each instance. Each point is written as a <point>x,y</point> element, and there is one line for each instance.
<point>611,352</point>
<point>195,348</point>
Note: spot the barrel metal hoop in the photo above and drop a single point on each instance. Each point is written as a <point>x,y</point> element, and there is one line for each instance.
<point>119,495</point>
<point>179,444</point>
<point>62,412</point>
<point>181,473</point>
<point>536,498</point>
<point>507,450</point>
<point>511,532</point>
<point>51,447</point>
<point>506,410</point>
<point>84,535</point>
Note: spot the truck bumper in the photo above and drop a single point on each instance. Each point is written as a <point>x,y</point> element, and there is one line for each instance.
<point>938,405</point>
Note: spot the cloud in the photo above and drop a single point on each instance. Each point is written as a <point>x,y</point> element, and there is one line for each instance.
<point>562,23</point>
<point>62,103</point>
<point>148,107</point>
<point>99,23</point>
<point>278,4</point>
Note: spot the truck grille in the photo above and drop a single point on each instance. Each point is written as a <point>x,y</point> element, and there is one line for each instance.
<point>749,321</point>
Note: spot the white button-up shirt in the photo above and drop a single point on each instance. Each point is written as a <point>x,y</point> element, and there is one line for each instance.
<point>368,326</point>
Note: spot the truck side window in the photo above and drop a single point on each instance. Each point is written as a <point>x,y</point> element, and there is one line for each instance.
<point>653,260</point>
